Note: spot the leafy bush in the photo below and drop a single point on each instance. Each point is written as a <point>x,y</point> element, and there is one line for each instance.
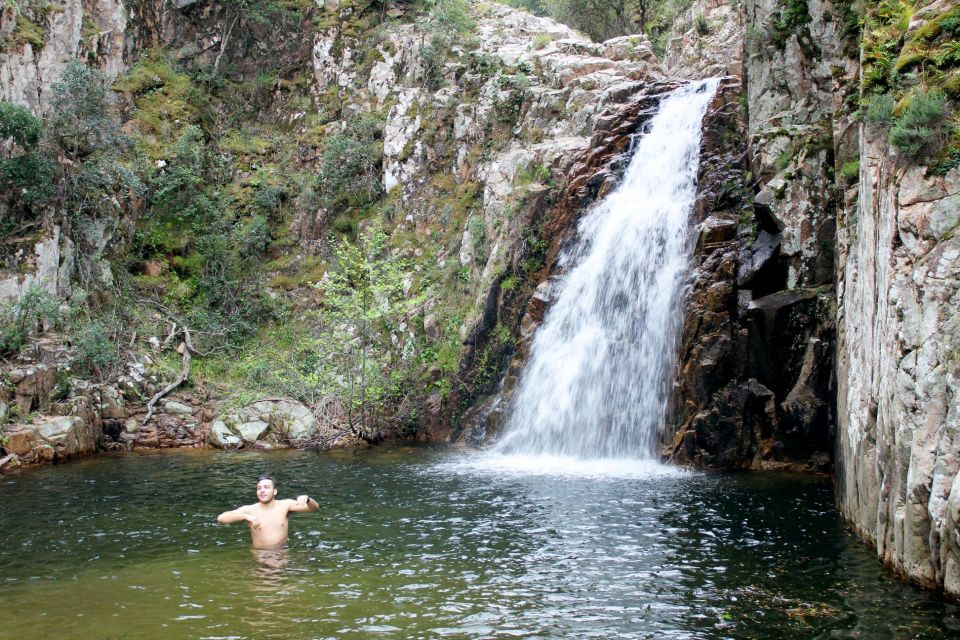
<point>364,301</point>
<point>919,132</point>
<point>82,119</point>
<point>18,123</point>
<point>350,165</point>
<point>702,25</point>
<point>29,175</point>
<point>541,40</point>
<point>94,352</point>
<point>27,317</point>
<point>850,171</point>
<point>879,109</point>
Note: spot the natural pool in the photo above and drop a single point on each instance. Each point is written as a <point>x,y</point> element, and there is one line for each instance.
<point>416,542</point>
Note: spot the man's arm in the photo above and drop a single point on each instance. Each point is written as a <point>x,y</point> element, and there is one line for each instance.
<point>304,504</point>
<point>238,515</point>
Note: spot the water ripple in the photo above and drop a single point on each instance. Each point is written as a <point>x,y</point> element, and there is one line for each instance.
<point>428,543</point>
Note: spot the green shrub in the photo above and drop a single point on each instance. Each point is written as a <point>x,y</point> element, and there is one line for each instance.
<point>879,109</point>
<point>94,352</point>
<point>27,317</point>
<point>919,132</point>
<point>350,165</point>
<point>30,175</point>
<point>27,32</point>
<point>850,171</point>
<point>702,25</point>
<point>82,119</point>
<point>18,123</point>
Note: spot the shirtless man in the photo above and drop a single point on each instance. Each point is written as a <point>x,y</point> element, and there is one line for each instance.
<point>268,517</point>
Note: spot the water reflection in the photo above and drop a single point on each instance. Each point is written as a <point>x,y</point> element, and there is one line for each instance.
<point>270,567</point>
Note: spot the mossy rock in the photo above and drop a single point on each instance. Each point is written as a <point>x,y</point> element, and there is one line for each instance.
<point>28,32</point>
<point>910,59</point>
<point>946,24</point>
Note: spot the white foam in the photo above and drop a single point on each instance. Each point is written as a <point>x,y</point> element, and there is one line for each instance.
<point>500,464</point>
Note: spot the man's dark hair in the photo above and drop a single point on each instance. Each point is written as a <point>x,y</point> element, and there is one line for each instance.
<point>267,477</point>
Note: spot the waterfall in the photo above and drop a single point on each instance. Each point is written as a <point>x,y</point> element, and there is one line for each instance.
<point>596,384</point>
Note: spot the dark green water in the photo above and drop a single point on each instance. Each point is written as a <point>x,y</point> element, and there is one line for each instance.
<point>431,543</point>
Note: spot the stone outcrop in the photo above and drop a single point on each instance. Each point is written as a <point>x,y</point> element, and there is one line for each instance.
<point>52,439</point>
<point>28,72</point>
<point>544,99</point>
<point>277,423</point>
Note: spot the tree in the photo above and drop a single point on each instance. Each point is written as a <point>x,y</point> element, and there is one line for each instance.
<point>27,175</point>
<point>351,164</point>
<point>83,120</point>
<point>363,305</point>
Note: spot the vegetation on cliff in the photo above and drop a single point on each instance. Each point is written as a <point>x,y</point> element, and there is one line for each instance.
<point>911,80</point>
<point>226,198</point>
<point>605,19</point>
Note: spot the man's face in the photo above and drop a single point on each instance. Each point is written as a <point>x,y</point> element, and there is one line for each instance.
<point>266,491</point>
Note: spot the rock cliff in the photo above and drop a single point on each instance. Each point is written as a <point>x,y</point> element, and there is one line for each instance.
<point>838,323</point>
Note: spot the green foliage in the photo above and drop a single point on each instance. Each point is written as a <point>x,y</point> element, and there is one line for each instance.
<point>364,303</point>
<point>18,123</point>
<point>29,175</point>
<point>25,318</point>
<point>94,350</point>
<point>919,132</point>
<point>533,173</point>
<point>885,25</point>
<point>879,109</point>
<point>193,225</point>
<point>702,24</point>
<point>783,160</point>
<point>949,162</point>
<point>445,23</point>
<point>83,120</point>
<point>850,171</point>
<point>178,192</point>
<point>605,19</point>
<point>350,164</point>
<point>790,20</point>
<point>28,32</point>
<point>541,40</point>
<point>448,17</point>
<point>165,100</point>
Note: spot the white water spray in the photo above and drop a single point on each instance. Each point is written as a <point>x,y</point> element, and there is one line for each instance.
<point>597,380</point>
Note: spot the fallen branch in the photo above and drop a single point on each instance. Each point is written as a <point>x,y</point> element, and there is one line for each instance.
<point>170,335</point>
<point>187,346</point>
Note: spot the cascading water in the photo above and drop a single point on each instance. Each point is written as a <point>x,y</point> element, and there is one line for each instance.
<point>596,382</point>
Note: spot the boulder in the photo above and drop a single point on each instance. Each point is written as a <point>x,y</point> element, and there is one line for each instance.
<point>222,437</point>
<point>171,406</point>
<point>265,424</point>
<point>52,439</point>
<point>10,462</point>
<point>253,430</point>
<point>33,386</point>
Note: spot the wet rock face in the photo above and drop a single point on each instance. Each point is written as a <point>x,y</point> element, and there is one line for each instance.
<point>749,343</point>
